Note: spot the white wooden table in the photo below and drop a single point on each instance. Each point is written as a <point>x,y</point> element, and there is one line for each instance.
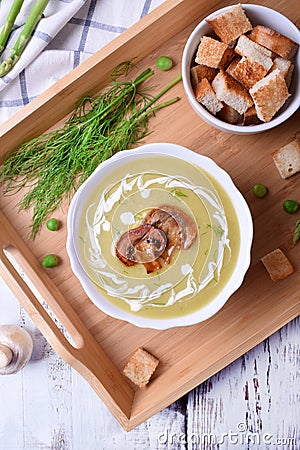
<point>251,404</point>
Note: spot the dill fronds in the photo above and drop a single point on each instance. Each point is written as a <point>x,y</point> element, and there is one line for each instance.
<point>55,164</point>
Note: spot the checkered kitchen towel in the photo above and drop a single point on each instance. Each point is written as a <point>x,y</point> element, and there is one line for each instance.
<point>69,33</point>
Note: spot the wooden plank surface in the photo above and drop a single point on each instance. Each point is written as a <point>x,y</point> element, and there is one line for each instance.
<point>257,309</point>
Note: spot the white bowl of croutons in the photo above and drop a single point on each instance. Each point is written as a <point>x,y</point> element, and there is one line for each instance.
<point>241,69</point>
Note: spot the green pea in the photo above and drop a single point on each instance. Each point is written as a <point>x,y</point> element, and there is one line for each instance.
<point>164,63</point>
<point>259,190</point>
<point>50,261</point>
<point>52,224</point>
<point>290,206</point>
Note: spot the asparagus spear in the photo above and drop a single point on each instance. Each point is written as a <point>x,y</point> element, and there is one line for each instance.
<point>31,22</point>
<point>296,236</point>
<point>10,20</point>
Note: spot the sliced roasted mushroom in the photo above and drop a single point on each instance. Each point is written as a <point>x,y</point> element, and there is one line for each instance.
<point>15,349</point>
<point>152,266</point>
<point>144,244</point>
<point>180,228</point>
<point>163,229</point>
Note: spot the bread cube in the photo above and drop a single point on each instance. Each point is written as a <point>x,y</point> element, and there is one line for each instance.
<point>231,24</point>
<point>140,368</point>
<point>230,69</point>
<point>250,117</point>
<point>274,41</point>
<point>230,115</point>
<point>269,94</point>
<point>213,53</point>
<point>287,159</point>
<point>277,265</point>
<point>205,95</point>
<point>200,71</point>
<point>285,66</point>
<point>248,72</point>
<point>254,52</point>
<point>231,92</point>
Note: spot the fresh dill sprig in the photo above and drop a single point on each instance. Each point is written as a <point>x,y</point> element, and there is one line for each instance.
<point>138,217</point>
<point>217,229</point>
<point>177,193</point>
<point>53,165</point>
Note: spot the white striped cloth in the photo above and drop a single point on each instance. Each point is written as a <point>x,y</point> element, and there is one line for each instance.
<point>69,33</point>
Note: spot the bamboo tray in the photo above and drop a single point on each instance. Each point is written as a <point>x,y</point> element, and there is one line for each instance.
<point>100,346</point>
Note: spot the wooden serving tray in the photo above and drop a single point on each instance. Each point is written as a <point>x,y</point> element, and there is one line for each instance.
<point>100,346</point>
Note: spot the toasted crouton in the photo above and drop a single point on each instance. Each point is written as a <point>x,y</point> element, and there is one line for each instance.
<point>140,368</point>
<point>205,95</point>
<point>277,265</point>
<point>288,77</point>
<point>269,94</point>
<point>248,72</point>
<point>200,71</point>
<point>231,92</point>
<point>274,41</point>
<point>281,64</point>
<point>230,115</point>
<point>230,69</point>
<point>231,24</point>
<point>286,68</point>
<point>213,53</point>
<point>250,117</point>
<point>287,159</point>
<point>254,52</point>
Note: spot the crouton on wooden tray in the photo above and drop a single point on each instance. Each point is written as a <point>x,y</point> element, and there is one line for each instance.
<point>287,159</point>
<point>277,265</point>
<point>140,368</point>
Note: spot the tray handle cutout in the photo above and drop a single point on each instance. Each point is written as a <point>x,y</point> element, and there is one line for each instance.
<point>22,280</point>
<point>81,350</point>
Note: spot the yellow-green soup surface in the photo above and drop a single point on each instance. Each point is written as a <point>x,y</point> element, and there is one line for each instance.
<point>195,275</point>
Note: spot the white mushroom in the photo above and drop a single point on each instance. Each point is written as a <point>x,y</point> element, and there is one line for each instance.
<point>15,349</point>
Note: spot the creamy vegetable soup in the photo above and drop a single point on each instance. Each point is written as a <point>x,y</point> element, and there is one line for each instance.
<point>159,237</point>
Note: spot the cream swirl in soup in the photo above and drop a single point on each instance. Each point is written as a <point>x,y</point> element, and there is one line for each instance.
<point>123,201</point>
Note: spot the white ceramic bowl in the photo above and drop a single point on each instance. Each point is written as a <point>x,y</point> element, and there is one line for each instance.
<point>258,15</point>
<point>123,159</point>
